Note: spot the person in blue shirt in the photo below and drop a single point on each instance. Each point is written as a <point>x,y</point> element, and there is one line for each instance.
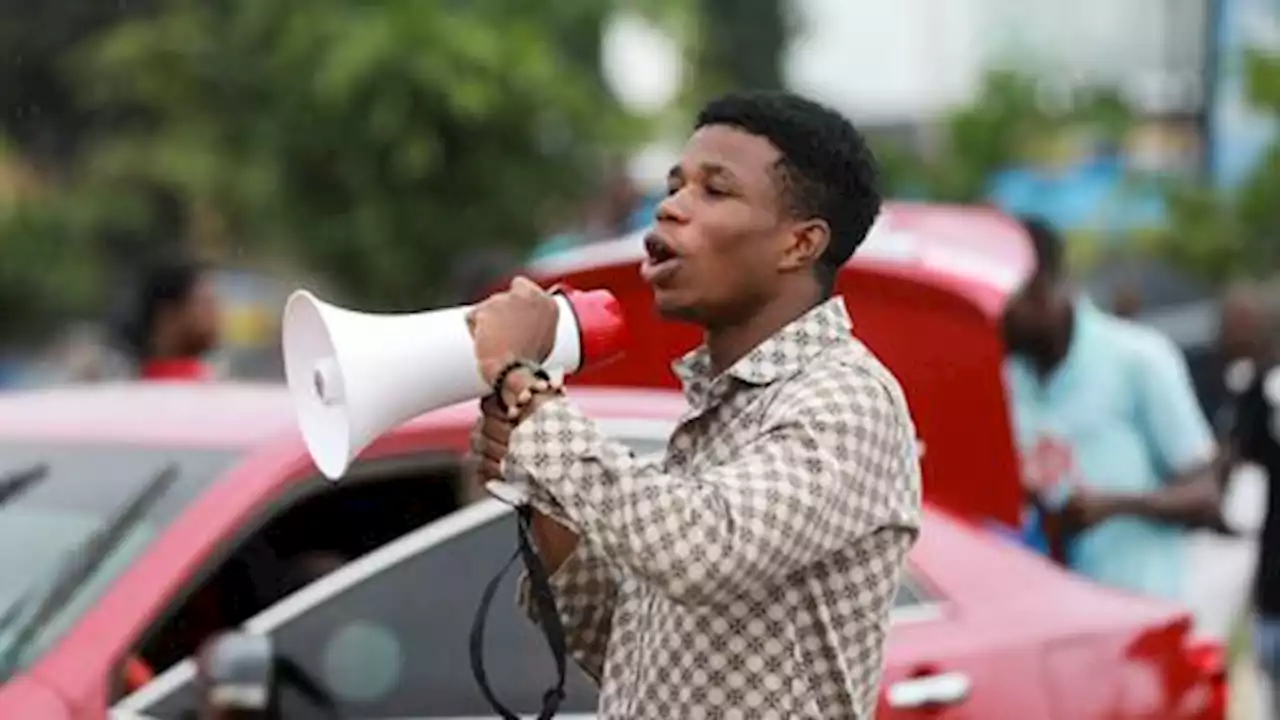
<point>1118,458</point>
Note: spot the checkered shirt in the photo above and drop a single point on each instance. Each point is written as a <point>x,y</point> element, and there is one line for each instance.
<point>750,572</point>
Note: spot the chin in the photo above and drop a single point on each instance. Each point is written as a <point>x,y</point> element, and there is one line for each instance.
<point>672,308</point>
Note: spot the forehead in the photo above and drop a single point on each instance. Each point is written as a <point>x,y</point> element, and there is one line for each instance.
<point>730,148</point>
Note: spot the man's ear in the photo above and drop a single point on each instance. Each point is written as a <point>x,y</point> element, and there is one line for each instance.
<point>808,241</point>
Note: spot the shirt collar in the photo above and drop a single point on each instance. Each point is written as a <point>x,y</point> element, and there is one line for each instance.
<point>782,355</point>
<point>1084,320</point>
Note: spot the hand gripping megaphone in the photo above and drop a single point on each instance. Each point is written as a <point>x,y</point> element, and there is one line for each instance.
<point>354,375</point>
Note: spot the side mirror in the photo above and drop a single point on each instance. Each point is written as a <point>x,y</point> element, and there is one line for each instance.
<point>239,676</point>
<point>236,676</point>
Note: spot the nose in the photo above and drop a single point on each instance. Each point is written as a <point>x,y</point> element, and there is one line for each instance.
<point>673,209</point>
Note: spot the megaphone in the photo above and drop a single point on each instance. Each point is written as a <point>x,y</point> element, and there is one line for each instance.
<point>354,375</point>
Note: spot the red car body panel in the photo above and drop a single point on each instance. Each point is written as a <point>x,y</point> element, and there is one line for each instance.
<point>255,419</point>
<point>1020,629</point>
<point>926,293</point>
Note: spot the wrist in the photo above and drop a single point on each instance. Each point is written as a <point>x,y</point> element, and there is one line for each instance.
<point>515,384</point>
<point>523,387</point>
<point>490,369</point>
<point>1124,504</point>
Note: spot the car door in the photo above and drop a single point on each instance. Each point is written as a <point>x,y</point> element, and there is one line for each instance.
<point>387,636</point>
<point>941,664</point>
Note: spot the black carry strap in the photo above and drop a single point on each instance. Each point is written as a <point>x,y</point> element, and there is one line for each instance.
<point>547,614</point>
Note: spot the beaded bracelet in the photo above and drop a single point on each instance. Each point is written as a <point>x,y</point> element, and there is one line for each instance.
<point>543,383</point>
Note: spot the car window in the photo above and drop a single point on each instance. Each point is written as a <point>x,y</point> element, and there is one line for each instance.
<point>405,632</point>
<point>44,524</point>
<point>908,595</point>
<point>646,446</point>
<point>397,644</point>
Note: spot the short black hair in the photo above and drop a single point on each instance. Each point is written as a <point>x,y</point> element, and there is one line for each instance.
<point>167,281</point>
<point>1046,243</point>
<point>826,169</point>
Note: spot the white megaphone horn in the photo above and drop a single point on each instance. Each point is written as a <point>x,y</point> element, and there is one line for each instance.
<point>354,376</point>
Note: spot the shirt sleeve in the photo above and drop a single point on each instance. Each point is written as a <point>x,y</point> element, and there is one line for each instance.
<point>1176,428</point>
<point>586,594</point>
<point>828,469</point>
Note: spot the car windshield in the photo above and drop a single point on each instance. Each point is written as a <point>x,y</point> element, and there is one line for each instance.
<point>67,493</point>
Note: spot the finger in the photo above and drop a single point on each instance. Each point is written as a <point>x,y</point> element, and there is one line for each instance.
<point>497,434</point>
<point>471,321</point>
<point>490,469</point>
<point>491,408</point>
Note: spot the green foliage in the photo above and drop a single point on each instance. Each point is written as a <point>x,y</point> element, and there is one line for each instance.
<point>1009,123</point>
<point>1219,235</point>
<point>1263,73</point>
<point>40,108</point>
<point>380,142</point>
<point>53,266</point>
<point>990,134</point>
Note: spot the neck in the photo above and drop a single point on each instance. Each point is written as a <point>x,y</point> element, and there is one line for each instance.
<point>727,344</point>
<point>1055,351</point>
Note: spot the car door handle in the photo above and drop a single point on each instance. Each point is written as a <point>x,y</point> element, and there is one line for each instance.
<point>931,690</point>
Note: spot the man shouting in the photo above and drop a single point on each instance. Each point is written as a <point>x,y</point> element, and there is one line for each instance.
<point>751,571</point>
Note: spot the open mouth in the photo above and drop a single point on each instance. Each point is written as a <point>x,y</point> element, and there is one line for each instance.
<point>658,250</point>
<point>661,261</point>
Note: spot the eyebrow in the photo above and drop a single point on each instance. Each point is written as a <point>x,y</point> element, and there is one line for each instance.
<point>710,169</point>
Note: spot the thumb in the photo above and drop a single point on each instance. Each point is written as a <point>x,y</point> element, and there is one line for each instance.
<point>521,282</point>
<point>471,323</point>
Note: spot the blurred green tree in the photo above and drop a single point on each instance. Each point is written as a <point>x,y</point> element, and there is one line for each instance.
<point>378,142</point>
<point>53,266</point>
<point>39,109</point>
<point>1009,123</point>
<point>1219,235</point>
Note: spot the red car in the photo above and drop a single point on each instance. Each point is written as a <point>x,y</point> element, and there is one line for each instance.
<point>222,508</point>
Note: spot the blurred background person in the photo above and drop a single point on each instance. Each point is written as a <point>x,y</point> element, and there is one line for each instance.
<point>1255,437</point>
<point>1117,452</point>
<point>1223,556</point>
<point>83,353</point>
<point>175,324</point>
<point>1240,326</point>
